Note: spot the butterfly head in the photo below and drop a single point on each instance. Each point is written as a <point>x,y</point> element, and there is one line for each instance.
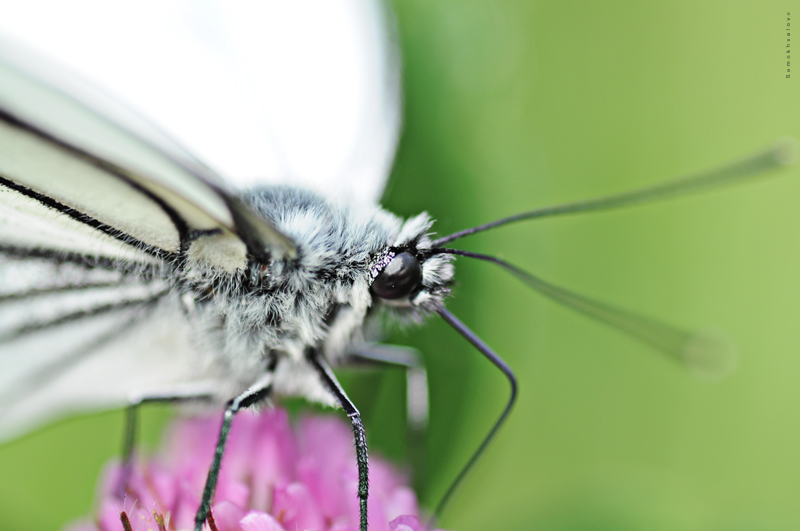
<point>406,275</point>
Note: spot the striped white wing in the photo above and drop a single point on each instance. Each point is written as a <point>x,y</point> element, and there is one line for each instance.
<point>79,338</point>
<point>79,152</point>
<point>96,203</point>
<point>299,92</point>
<point>97,208</point>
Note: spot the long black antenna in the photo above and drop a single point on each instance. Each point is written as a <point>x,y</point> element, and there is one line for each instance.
<point>498,362</point>
<point>705,353</point>
<point>782,153</point>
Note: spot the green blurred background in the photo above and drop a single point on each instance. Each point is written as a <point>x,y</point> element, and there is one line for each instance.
<point>514,105</point>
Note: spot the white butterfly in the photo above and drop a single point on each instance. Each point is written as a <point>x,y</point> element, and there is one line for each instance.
<point>100,207</point>
<point>132,271</point>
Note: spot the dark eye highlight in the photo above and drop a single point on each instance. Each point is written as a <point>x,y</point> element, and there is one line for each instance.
<point>398,279</point>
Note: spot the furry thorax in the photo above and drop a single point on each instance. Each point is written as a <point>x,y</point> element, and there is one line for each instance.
<point>273,313</point>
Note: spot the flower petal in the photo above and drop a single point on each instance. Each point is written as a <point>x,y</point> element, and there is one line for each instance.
<point>296,508</point>
<point>405,523</point>
<point>227,516</point>
<point>258,521</point>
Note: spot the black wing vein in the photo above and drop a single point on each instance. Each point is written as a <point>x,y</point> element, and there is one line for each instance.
<point>178,222</point>
<point>32,327</point>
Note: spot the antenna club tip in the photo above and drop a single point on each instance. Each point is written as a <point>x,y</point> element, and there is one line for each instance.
<point>786,151</point>
<point>710,355</point>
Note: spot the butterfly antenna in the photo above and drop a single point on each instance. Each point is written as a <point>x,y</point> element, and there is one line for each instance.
<point>708,354</point>
<point>498,362</point>
<point>782,153</point>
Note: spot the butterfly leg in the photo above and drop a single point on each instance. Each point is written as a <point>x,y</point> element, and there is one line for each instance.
<point>193,392</point>
<point>256,393</point>
<point>362,457</point>
<point>416,377</point>
<point>417,405</point>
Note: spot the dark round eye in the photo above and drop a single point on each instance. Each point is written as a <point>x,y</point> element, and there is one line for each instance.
<point>399,278</point>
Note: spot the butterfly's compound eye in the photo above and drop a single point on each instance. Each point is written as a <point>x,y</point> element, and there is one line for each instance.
<point>399,278</point>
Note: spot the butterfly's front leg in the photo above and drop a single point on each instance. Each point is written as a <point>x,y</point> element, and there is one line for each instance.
<point>195,391</point>
<point>257,392</point>
<point>362,457</point>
